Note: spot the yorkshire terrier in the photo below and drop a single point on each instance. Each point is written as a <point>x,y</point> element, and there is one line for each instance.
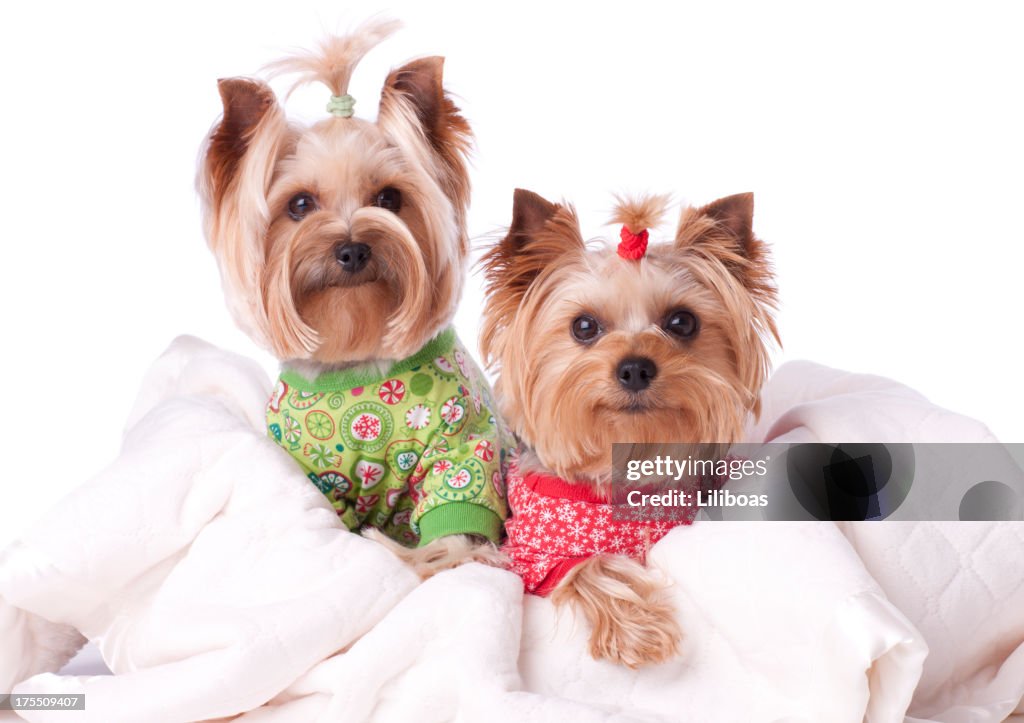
<point>637,345</point>
<point>342,247</point>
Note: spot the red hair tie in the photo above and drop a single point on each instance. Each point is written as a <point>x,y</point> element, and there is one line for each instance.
<point>633,245</point>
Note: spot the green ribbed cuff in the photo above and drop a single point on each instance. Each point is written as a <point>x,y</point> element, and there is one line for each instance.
<point>459,518</point>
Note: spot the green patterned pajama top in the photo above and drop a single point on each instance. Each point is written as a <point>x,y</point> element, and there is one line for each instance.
<point>418,453</point>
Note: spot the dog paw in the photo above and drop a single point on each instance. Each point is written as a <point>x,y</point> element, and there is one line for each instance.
<point>638,634</point>
<point>443,553</point>
<point>632,622</point>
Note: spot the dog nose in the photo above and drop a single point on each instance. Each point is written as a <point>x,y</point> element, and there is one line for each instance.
<point>636,373</point>
<point>352,257</point>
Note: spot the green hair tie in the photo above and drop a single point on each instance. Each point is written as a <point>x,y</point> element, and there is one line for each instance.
<point>341,105</point>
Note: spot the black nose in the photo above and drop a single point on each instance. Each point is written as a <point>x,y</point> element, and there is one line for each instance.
<point>636,373</point>
<point>352,257</point>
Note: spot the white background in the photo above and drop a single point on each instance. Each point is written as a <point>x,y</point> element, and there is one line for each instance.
<point>883,142</point>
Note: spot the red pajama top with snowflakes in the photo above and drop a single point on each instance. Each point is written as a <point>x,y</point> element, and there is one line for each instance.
<point>555,525</point>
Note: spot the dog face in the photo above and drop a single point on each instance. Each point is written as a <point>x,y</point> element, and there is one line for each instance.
<point>343,241</point>
<point>593,348</point>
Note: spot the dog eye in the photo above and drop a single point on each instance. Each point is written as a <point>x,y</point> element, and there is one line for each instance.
<point>682,324</point>
<point>301,205</point>
<point>585,329</point>
<point>389,199</point>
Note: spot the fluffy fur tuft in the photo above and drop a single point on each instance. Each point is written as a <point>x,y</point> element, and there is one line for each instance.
<point>337,56</point>
<point>631,618</point>
<point>643,212</point>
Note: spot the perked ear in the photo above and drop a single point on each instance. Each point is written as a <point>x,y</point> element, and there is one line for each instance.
<point>728,221</point>
<point>724,230</point>
<point>246,102</point>
<point>417,87</point>
<point>234,178</point>
<point>735,214</point>
<point>541,235</point>
<point>530,212</point>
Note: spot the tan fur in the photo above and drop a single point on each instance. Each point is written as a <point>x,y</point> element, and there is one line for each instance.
<point>337,56</point>
<point>441,554</point>
<point>542,235</point>
<point>281,279</point>
<point>563,398</point>
<point>539,281</point>
<point>236,171</point>
<point>642,212</point>
<point>415,90</point>
<point>631,619</point>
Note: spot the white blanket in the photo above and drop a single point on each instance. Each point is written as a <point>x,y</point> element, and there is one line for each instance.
<point>216,581</point>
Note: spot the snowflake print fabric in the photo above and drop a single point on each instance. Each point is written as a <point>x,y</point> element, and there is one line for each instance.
<point>366,427</point>
<point>556,525</point>
<point>418,452</point>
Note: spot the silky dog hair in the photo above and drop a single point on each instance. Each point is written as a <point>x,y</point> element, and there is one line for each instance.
<point>565,395</point>
<point>281,265</point>
<point>562,397</point>
<point>282,282</point>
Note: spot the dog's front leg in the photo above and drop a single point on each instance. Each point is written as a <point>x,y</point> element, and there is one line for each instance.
<point>443,553</point>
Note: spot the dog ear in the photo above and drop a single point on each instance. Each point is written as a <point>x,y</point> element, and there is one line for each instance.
<point>234,177</point>
<point>414,94</point>
<point>735,214</point>
<point>721,236</point>
<point>724,230</point>
<point>246,103</point>
<point>542,234</point>
<point>530,211</point>
<point>728,221</point>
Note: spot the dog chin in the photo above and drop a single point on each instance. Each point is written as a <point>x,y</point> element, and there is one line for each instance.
<point>348,319</point>
<point>643,421</point>
<point>354,281</point>
<point>631,408</point>
<point>638,405</point>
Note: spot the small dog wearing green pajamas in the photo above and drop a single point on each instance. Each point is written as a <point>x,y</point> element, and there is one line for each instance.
<point>342,248</point>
